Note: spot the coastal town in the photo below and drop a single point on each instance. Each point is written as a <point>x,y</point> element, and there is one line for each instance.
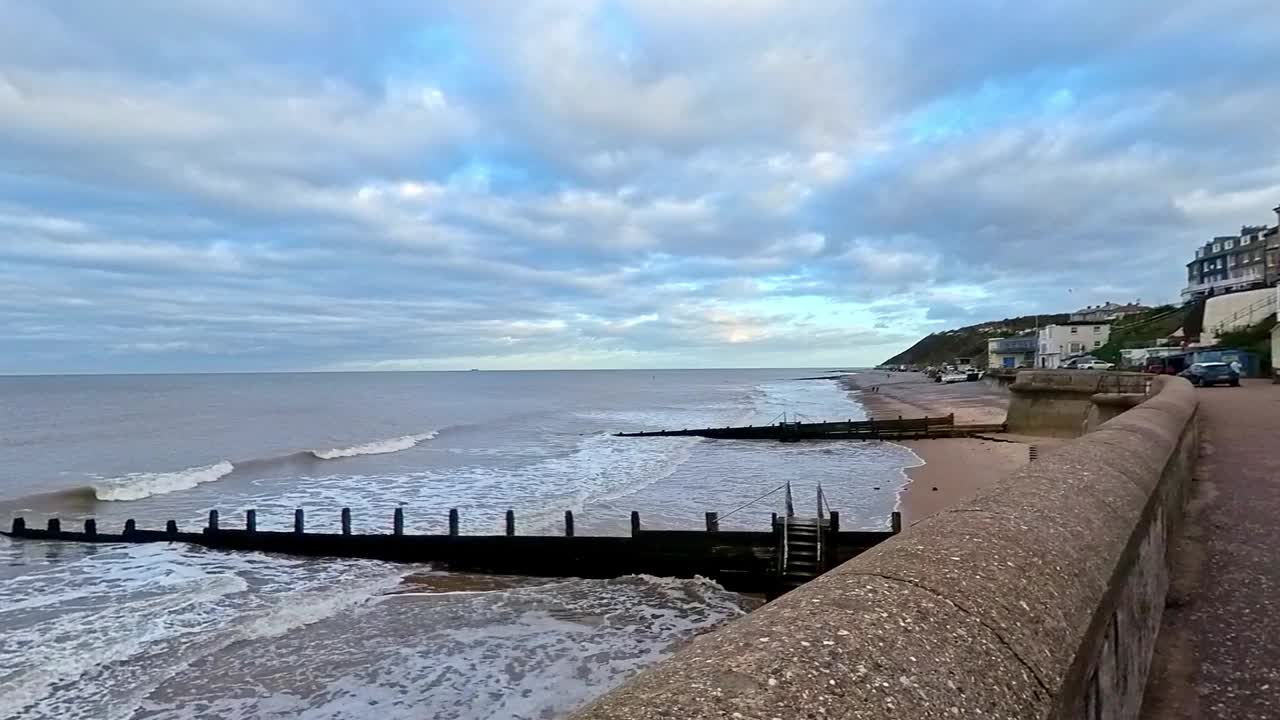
<point>1226,314</point>
<point>639,360</point>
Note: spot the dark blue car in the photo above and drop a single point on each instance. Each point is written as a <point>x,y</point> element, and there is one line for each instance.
<point>1211,373</point>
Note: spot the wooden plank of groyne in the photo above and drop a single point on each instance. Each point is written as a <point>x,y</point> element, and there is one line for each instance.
<point>739,560</point>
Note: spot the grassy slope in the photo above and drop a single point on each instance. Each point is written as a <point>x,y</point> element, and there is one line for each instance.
<point>1141,330</point>
<point>1256,338</point>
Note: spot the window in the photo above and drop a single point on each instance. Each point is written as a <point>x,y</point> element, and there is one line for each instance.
<point>1217,247</point>
<point>1097,343</point>
<point>1229,244</point>
<point>1075,330</point>
<point>1234,259</point>
<point>1097,329</point>
<point>1044,348</point>
<point>1245,240</point>
<point>1271,259</point>
<point>1199,252</point>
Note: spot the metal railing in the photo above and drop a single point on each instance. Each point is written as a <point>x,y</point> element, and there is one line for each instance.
<point>786,530</point>
<point>753,502</point>
<point>1262,306</point>
<point>820,558</point>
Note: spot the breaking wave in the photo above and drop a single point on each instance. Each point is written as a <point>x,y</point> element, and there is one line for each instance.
<point>140,485</point>
<point>136,486</point>
<point>377,447</point>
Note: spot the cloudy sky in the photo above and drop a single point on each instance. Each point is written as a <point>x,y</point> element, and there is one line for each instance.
<point>303,184</point>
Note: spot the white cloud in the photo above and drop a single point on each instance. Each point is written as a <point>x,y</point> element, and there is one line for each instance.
<point>892,260</point>
<point>637,182</point>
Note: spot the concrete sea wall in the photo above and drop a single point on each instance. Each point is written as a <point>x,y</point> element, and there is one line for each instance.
<point>1059,402</point>
<point>1040,598</point>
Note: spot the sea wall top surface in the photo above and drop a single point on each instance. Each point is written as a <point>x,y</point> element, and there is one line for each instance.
<point>997,608</point>
<point>1086,382</point>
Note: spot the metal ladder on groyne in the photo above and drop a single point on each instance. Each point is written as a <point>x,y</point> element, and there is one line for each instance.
<point>804,551</point>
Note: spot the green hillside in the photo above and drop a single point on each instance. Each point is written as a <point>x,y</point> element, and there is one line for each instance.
<point>1146,328</point>
<point>941,347</point>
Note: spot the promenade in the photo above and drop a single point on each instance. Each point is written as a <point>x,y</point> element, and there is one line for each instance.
<point>1219,655</point>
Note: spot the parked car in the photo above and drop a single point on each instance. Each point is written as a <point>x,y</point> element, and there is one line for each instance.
<point>1211,373</point>
<point>1094,365</point>
<point>954,376</point>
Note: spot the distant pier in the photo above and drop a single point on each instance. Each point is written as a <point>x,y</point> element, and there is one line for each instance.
<point>793,550</point>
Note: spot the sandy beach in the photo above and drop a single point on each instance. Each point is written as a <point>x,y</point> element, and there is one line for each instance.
<point>954,469</point>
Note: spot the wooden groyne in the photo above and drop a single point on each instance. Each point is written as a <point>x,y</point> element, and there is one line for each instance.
<point>887,429</point>
<point>743,561</point>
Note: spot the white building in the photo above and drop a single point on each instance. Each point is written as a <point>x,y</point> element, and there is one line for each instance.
<point>1061,342</point>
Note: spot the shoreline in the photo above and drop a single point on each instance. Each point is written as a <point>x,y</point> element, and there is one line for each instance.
<point>951,470</point>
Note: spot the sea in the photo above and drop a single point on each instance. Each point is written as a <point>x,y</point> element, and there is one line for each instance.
<point>179,632</point>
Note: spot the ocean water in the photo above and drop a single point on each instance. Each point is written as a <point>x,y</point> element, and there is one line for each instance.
<point>169,631</point>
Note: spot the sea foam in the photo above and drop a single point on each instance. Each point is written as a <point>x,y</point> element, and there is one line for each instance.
<point>377,447</point>
<point>136,486</point>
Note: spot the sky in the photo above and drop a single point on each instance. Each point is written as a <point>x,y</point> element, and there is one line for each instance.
<point>214,185</point>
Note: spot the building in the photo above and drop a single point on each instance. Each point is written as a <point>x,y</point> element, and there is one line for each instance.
<point>1138,358</point>
<point>1273,252</point>
<point>1013,352</point>
<point>1107,312</point>
<point>1275,337</point>
<point>1063,341</point>
<point>1229,263</point>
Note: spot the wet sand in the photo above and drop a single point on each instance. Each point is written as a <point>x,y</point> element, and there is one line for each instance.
<point>954,469</point>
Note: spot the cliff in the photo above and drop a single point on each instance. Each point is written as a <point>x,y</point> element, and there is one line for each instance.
<point>970,341</point>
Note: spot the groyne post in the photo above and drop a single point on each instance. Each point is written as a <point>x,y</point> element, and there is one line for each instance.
<point>835,520</point>
<point>511,523</point>
<point>453,522</point>
<point>635,523</point>
<point>19,526</point>
<point>251,520</point>
<point>568,523</point>
<point>129,526</point>
<point>895,522</point>
<point>55,525</point>
<point>213,521</point>
<point>171,527</point>
<point>397,522</point>
<point>346,521</point>
<point>713,522</point>
<point>299,521</point>
<point>91,527</point>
